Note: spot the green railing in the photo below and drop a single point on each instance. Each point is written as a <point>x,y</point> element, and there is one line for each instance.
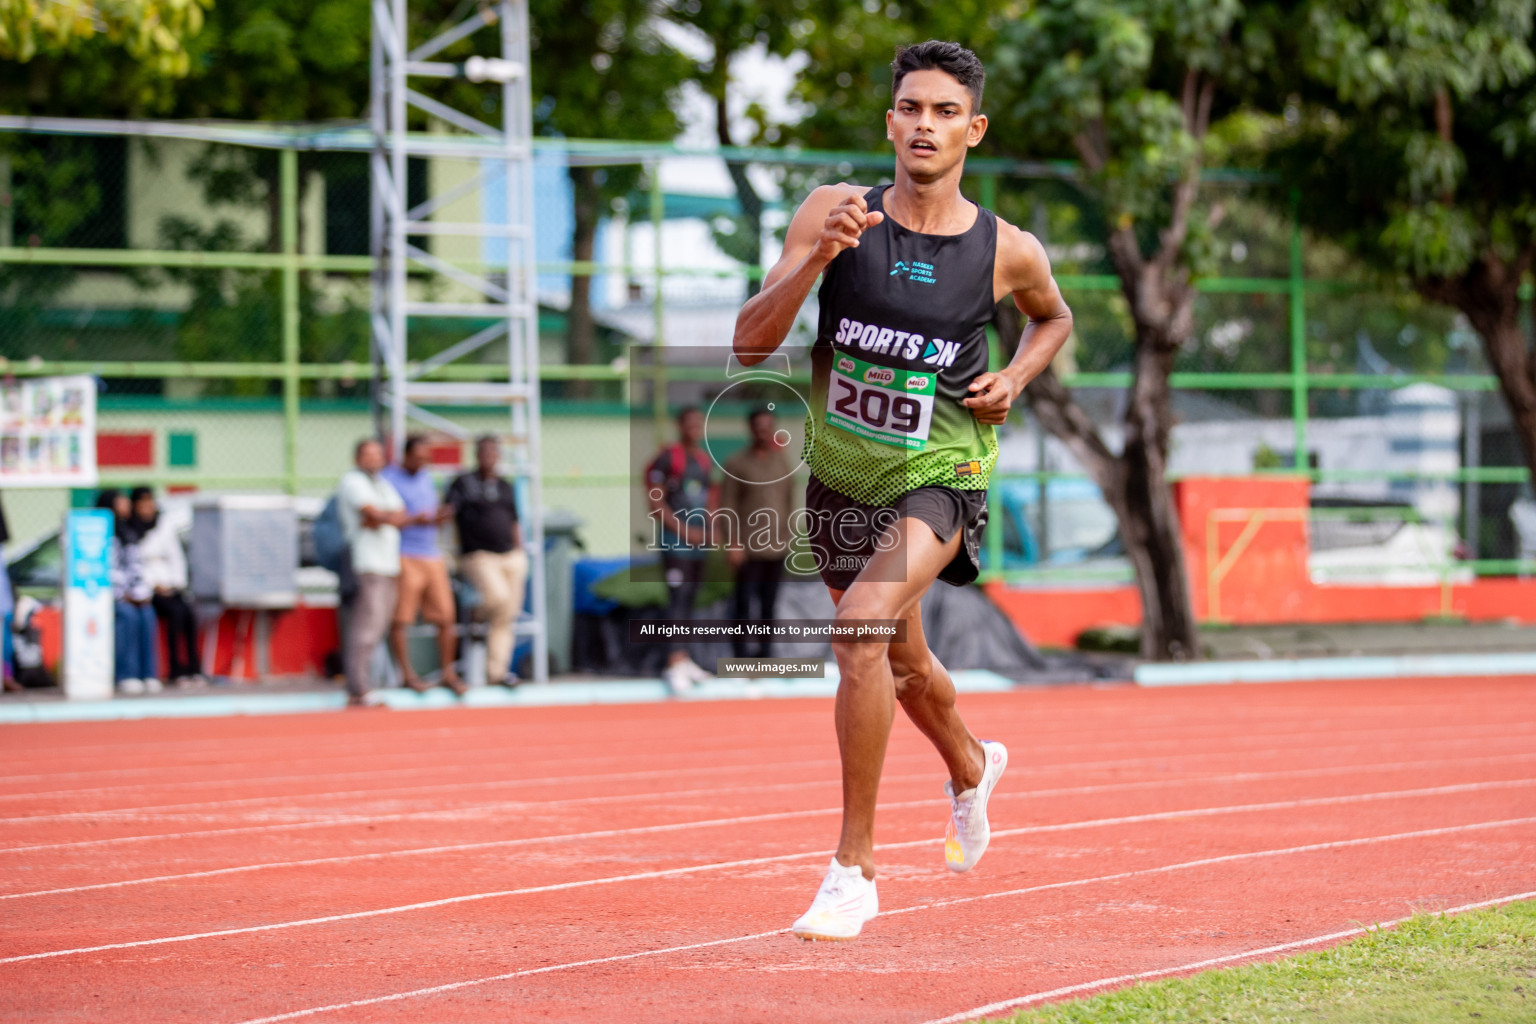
<point>293,373</point>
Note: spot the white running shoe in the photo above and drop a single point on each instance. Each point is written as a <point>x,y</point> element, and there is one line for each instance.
<point>696,672</point>
<point>134,687</point>
<point>966,838</point>
<point>677,678</point>
<point>844,902</point>
<point>153,685</point>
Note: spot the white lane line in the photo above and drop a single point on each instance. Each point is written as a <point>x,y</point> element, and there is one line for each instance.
<point>1279,805</point>
<point>1069,722</point>
<point>463,812</point>
<point>1027,795</point>
<point>452,986</point>
<point>247,780</point>
<point>211,760</point>
<point>710,761</point>
<point>448,815</point>
<point>1227,858</point>
<point>1224,732</point>
<point>337,748</point>
<point>1163,972</point>
<point>492,757</point>
<point>616,748</point>
<point>436,989</point>
<point>1419,734</point>
<point>350,744</point>
<point>129,813</point>
<point>471,898</point>
<point>459,814</point>
<point>166,810</point>
<point>652,829</point>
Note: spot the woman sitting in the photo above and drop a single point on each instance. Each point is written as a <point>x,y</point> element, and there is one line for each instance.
<point>165,570</point>
<point>134,618</point>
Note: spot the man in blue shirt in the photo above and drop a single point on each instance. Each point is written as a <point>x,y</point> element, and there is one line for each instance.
<point>424,586</point>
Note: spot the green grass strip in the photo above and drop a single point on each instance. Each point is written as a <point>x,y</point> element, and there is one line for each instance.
<point>1479,966</point>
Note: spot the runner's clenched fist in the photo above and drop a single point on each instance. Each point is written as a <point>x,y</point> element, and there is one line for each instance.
<point>845,223</point>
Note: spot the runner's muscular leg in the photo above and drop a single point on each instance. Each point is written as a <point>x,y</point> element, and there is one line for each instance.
<point>866,704</point>
<point>927,695</point>
<point>893,581</point>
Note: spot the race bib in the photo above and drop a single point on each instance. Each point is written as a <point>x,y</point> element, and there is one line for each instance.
<point>892,407</point>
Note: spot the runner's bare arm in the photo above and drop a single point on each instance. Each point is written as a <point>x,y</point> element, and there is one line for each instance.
<point>1024,270</point>
<point>830,220</point>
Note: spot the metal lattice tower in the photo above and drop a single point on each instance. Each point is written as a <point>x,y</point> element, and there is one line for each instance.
<point>504,180</point>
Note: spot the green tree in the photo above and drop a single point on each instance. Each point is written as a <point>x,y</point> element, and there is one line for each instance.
<point>1410,129</point>
<point>51,193</point>
<point>1138,92</point>
<point>844,87</point>
<point>600,71</point>
<point>271,60</point>
<point>51,186</point>
<point>152,32</point>
<point>731,27</point>
<point>1144,94</point>
<point>846,84</point>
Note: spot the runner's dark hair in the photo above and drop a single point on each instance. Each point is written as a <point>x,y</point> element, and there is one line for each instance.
<point>412,442</point>
<point>761,410</point>
<point>936,55</point>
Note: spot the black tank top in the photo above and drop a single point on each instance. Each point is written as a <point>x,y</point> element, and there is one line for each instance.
<point>902,333</point>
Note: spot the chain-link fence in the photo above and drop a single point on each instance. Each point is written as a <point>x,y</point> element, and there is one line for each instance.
<point>233,355</point>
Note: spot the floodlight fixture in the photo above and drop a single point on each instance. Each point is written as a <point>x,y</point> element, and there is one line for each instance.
<point>492,69</point>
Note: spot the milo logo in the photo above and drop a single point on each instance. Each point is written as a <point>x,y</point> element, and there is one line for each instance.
<point>845,365</point>
<point>917,383</point>
<point>879,375</point>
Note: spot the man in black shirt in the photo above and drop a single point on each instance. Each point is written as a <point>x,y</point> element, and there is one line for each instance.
<point>491,553</point>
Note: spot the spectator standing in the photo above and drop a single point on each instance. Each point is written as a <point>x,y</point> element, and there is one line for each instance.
<point>371,516</point>
<point>424,585</point>
<point>165,570</point>
<point>491,554</point>
<point>758,491</point>
<point>134,648</point>
<point>678,491</point>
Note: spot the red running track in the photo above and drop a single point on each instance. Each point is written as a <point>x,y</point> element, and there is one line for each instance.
<point>643,863</point>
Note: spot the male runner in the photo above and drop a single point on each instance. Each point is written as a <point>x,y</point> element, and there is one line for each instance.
<point>902,441</point>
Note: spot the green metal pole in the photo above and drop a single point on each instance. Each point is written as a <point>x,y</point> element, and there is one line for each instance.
<point>987,189</point>
<point>7,212</point>
<point>1298,319</point>
<point>658,214</point>
<point>994,536</point>
<point>290,230</point>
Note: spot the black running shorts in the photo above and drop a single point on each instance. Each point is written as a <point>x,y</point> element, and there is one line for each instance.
<point>843,531</point>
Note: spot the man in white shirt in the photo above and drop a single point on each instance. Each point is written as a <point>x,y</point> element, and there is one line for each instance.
<point>371,516</point>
